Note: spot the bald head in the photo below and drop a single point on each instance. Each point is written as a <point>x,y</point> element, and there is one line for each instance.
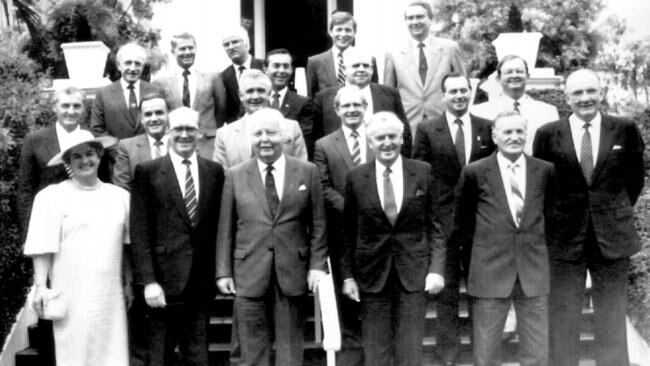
<point>584,94</point>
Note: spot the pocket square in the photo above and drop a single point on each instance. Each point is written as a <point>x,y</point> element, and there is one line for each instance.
<point>419,193</point>
<point>617,147</point>
<point>302,188</point>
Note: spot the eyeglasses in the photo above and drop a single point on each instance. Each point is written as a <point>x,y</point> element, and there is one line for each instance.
<point>190,131</point>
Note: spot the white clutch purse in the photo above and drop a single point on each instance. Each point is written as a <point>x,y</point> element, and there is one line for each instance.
<point>54,307</point>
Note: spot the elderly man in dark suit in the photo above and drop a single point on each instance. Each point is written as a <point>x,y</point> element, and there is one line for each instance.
<point>448,143</point>
<point>393,248</point>
<point>174,206</point>
<point>327,69</point>
<point>115,110</point>
<point>502,203</point>
<point>271,246</point>
<point>278,66</point>
<point>358,72</point>
<point>185,85</point>
<point>335,155</point>
<point>237,46</point>
<point>150,145</point>
<point>600,169</point>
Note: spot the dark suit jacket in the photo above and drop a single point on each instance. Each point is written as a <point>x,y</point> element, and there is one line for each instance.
<point>110,114</point>
<point>321,73</point>
<point>501,252</point>
<point>253,247</point>
<point>130,153</point>
<point>229,77</point>
<point>166,248</point>
<point>607,203</point>
<point>434,144</point>
<point>415,246</point>
<point>33,173</point>
<point>299,108</point>
<point>384,98</point>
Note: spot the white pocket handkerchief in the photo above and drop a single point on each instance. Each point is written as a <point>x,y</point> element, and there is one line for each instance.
<point>302,188</point>
<point>617,147</point>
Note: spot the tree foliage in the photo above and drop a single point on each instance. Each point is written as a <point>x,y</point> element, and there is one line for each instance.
<point>568,41</point>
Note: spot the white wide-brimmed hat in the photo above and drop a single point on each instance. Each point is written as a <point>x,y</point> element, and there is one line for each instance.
<point>77,138</point>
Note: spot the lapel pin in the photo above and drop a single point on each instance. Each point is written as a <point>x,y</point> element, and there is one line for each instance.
<point>302,188</point>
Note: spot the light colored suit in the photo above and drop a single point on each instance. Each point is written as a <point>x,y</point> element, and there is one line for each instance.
<point>401,71</point>
<point>535,112</point>
<point>130,152</point>
<point>209,98</point>
<point>232,143</point>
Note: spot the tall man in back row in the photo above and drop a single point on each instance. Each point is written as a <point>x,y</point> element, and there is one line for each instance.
<point>600,173</point>
<point>417,68</point>
<point>393,246</point>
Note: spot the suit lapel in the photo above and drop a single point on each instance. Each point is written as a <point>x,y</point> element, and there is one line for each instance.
<point>257,186</point>
<point>143,149</point>
<point>329,66</point>
<point>172,188</point>
<point>496,182</point>
<point>51,145</point>
<point>409,179</point>
<point>200,79</point>
<point>286,105</point>
<point>243,150</point>
<point>411,63</point>
<point>446,141</point>
<point>118,98</point>
<point>372,191</point>
<point>531,184</point>
<point>565,141</point>
<point>291,180</point>
<point>477,132</point>
<point>605,144</point>
<point>341,147</point>
<point>206,182</point>
<point>433,54</point>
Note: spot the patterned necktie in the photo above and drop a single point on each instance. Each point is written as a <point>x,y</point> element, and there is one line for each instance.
<point>157,151</point>
<point>356,148</point>
<point>271,191</point>
<point>186,89</point>
<point>133,103</point>
<point>459,142</point>
<point>390,206</point>
<point>515,106</point>
<point>422,65</point>
<point>586,154</point>
<point>241,70</point>
<point>190,193</point>
<point>517,195</point>
<point>275,103</point>
<point>340,75</point>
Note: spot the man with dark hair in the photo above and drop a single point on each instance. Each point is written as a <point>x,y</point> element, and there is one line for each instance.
<point>600,174</point>
<point>185,85</point>
<point>416,69</point>
<point>327,69</point>
<point>512,74</point>
<point>278,66</point>
<point>236,43</point>
<point>448,143</point>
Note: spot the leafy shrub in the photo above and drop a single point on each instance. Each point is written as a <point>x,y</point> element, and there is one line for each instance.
<point>23,108</point>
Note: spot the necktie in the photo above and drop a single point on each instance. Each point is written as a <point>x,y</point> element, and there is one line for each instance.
<point>517,196</point>
<point>241,70</point>
<point>190,193</point>
<point>515,106</point>
<point>271,192</point>
<point>340,75</point>
<point>133,103</point>
<point>157,151</point>
<point>459,142</point>
<point>356,148</point>
<point>186,89</point>
<point>275,103</point>
<point>586,155</point>
<point>390,207</point>
<point>422,66</point>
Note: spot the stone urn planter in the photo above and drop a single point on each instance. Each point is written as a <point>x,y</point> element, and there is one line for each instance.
<point>524,45</point>
<point>85,62</point>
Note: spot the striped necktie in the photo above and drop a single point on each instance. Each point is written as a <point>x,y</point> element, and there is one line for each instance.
<point>157,150</point>
<point>190,193</point>
<point>356,148</point>
<point>517,196</point>
<point>340,75</point>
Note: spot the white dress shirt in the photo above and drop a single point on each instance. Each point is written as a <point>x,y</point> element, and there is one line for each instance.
<point>246,64</point>
<point>126,92</point>
<point>181,170</point>
<point>467,131</point>
<point>279,167</point>
<point>163,148</point>
<point>520,177</point>
<point>191,82</point>
<point>577,131</point>
<point>282,93</point>
<point>396,178</point>
<point>63,136</point>
<point>363,144</point>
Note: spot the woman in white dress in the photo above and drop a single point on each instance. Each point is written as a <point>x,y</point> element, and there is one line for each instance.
<point>75,238</point>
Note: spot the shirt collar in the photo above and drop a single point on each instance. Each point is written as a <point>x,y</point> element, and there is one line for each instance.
<point>504,162</point>
<point>163,139</point>
<point>278,165</point>
<point>507,100</point>
<point>336,50</point>
<point>282,93</point>
<point>62,132</point>
<point>414,42</point>
<point>178,160</point>
<point>180,70</point>
<point>578,123</point>
<point>396,168</point>
<point>246,64</point>
<point>136,84</point>
<point>347,130</point>
<point>464,118</point>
